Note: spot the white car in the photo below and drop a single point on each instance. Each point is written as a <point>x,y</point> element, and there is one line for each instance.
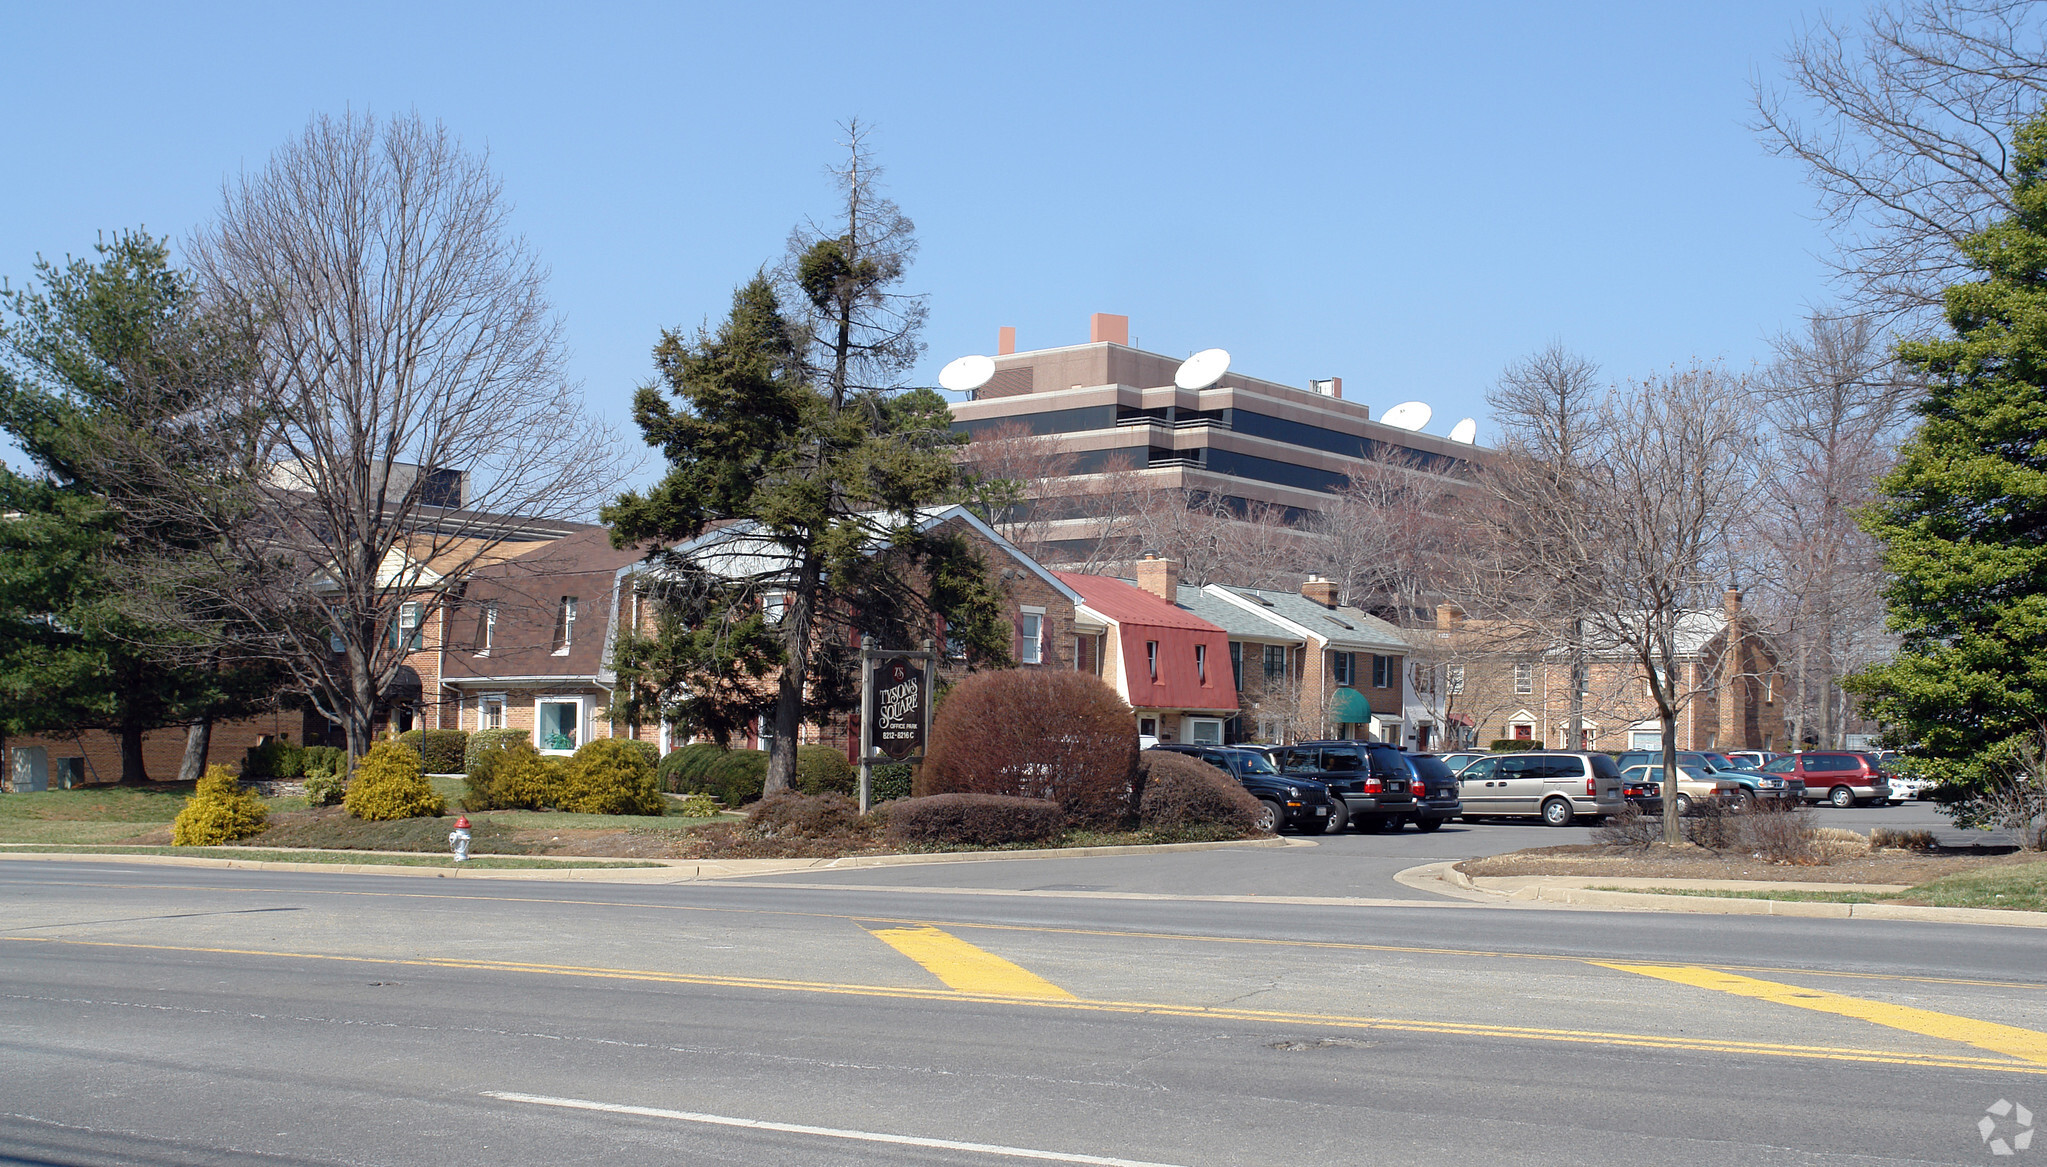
<point>1903,788</point>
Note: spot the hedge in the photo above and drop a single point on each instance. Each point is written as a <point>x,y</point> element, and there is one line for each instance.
<point>789,815</point>
<point>1515,743</point>
<point>388,785</point>
<point>1183,793</point>
<point>1037,734</point>
<point>610,776</point>
<point>683,770</point>
<point>887,782</point>
<point>738,777</point>
<point>527,781</point>
<point>984,820</point>
<point>486,740</point>
<point>277,757</point>
<point>219,811</point>
<point>441,751</point>
<point>825,770</point>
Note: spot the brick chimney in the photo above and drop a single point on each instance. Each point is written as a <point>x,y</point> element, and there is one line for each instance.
<point>1005,341</point>
<point>1322,591</point>
<point>1734,726</point>
<point>1159,576</point>
<point>1102,326</point>
<point>1448,616</point>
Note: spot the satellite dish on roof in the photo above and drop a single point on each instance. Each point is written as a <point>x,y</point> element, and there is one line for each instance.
<point>967,373</point>
<point>1408,415</point>
<point>1465,431</point>
<point>1202,369</point>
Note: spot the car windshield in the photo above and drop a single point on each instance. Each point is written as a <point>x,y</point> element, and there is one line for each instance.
<point>1256,763</point>
<point>1428,767</point>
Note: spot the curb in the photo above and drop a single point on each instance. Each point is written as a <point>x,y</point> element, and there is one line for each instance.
<point>1445,879</point>
<point>665,871</point>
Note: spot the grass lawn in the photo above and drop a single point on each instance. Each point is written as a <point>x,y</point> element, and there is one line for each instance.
<point>260,855</point>
<point>2017,887</point>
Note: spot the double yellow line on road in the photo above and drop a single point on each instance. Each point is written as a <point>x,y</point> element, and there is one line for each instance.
<point>956,963</point>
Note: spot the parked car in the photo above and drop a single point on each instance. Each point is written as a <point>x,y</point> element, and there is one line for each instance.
<point>1462,758</point>
<point>1753,759</point>
<point>1436,798</point>
<point>1645,796</point>
<point>1372,779</point>
<point>1842,778</point>
<point>1291,803</point>
<point>1695,784</point>
<point>1704,759</point>
<point>1904,786</point>
<point>1556,786</point>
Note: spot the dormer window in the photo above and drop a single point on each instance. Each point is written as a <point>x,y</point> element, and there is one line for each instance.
<point>565,626</point>
<point>486,629</point>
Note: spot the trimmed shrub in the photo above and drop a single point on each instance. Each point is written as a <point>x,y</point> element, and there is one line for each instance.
<point>1048,734</point>
<point>1185,793</point>
<point>527,781</point>
<point>388,784</point>
<point>609,776</point>
<point>484,766</point>
<point>275,757</point>
<point>695,806</point>
<point>887,782</point>
<point>325,789</point>
<point>982,820</point>
<point>647,750</point>
<point>825,770</point>
<point>786,814</point>
<point>486,740</point>
<point>219,811</point>
<point>1509,744</point>
<point>683,770</point>
<point>441,751</point>
<point>327,761</point>
<point>738,777</point>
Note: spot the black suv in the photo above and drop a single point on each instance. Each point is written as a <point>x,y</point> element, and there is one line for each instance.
<point>1373,779</point>
<point>1435,792</point>
<point>1292,803</point>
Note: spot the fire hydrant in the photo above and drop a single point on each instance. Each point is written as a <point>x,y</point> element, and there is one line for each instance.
<point>458,839</point>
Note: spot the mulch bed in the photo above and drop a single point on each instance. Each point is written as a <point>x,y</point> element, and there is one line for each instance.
<point>1693,862</point>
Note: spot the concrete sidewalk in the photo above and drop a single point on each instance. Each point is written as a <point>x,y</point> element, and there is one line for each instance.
<point>1576,891</point>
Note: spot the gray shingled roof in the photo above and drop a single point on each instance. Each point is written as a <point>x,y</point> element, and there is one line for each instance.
<point>1346,629</point>
<point>1240,624</point>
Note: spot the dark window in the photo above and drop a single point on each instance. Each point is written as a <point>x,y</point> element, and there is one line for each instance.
<point>1565,768</point>
<point>1344,665</point>
<point>1056,421</point>
<point>1201,663</point>
<point>1237,664</point>
<point>1342,761</point>
<point>1382,672</point>
<point>1605,767</point>
<point>1275,662</point>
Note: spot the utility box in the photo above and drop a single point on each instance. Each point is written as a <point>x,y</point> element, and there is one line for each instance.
<point>30,768</point>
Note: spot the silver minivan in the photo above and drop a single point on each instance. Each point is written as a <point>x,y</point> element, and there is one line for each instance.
<point>1556,787</point>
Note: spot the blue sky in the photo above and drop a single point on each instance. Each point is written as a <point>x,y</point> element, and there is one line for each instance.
<point>1406,196</point>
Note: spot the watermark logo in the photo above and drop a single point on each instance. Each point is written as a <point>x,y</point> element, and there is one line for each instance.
<point>2006,1118</point>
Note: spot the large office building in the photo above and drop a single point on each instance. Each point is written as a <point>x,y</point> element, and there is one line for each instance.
<point>1114,409</point>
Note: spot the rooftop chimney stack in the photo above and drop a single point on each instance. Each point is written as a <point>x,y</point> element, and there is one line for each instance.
<point>1328,387</point>
<point>1105,327</point>
<point>1159,576</point>
<point>1005,341</point>
<point>1322,591</point>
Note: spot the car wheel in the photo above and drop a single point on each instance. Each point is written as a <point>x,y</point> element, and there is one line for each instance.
<point>1557,812</point>
<point>1841,797</point>
<point>1744,801</point>
<point>1339,818</point>
<point>1684,804</point>
<point>1269,816</point>
<point>1426,825</point>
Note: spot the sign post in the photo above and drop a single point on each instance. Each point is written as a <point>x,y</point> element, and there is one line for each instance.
<point>895,709</point>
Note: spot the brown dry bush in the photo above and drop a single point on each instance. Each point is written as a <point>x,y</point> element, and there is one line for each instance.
<point>1183,793</point>
<point>1629,828</point>
<point>1046,734</point>
<point>1778,834</point>
<point>787,814</point>
<point>982,820</point>
<point>1888,839</point>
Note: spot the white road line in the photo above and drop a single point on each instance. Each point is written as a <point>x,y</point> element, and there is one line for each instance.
<point>821,1131</point>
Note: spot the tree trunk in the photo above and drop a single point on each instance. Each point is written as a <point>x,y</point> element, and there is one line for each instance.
<point>1667,718</point>
<point>798,623</point>
<point>198,742</point>
<point>132,769</point>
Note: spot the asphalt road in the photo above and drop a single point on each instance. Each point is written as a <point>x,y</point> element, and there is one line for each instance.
<point>201,1016</point>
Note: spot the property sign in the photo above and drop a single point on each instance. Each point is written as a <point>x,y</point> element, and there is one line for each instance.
<point>896,698</point>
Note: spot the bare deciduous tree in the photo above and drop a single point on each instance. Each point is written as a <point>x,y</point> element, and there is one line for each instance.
<point>1387,539</point>
<point>1833,405</point>
<point>1904,126</point>
<point>402,339</point>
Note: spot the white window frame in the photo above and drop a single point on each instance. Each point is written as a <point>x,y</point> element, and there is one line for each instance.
<point>411,614</point>
<point>1201,668</point>
<point>774,605</point>
<point>490,629</point>
<point>1382,671</point>
<point>1524,678</point>
<point>1151,658</point>
<point>484,702</point>
<point>566,616</point>
<point>1199,727</point>
<point>1645,739</point>
<point>1030,645</point>
<point>582,733</point>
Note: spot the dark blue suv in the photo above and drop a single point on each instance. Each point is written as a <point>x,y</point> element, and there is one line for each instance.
<point>1292,803</point>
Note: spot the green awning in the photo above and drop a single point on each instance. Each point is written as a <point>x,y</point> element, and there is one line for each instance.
<point>1349,705</point>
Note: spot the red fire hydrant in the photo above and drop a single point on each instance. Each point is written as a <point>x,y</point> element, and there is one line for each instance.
<point>458,839</point>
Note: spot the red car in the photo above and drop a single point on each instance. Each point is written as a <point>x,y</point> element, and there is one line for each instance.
<point>1842,778</point>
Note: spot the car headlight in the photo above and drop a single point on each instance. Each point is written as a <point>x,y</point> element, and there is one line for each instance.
<point>1293,792</point>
